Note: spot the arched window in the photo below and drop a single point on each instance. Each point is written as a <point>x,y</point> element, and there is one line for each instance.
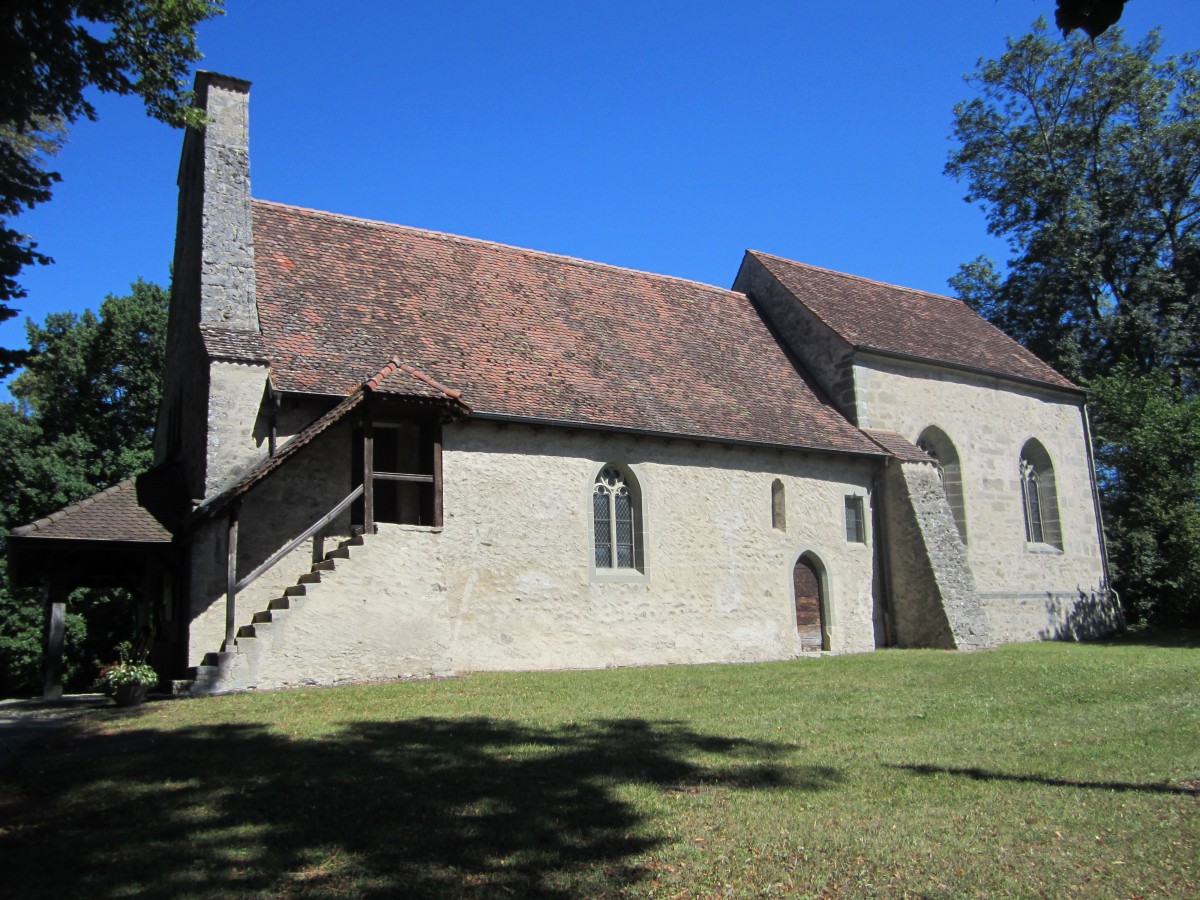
<point>1039,500</point>
<point>935,442</point>
<point>616,520</point>
<point>778,506</point>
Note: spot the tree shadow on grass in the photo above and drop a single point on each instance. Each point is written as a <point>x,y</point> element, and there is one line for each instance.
<point>987,775</point>
<point>418,808</point>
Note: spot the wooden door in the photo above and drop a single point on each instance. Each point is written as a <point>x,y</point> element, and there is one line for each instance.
<point>810,608</point>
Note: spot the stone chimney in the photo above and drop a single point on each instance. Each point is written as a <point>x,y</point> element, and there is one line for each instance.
<point>216,372</point>
<point>227,257</point>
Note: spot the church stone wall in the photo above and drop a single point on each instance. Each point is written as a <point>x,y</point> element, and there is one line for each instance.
<point>719,576</point>
<point>508,582</point>
<point>1027,591</point>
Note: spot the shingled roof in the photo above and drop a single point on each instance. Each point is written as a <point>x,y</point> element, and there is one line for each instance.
<point>898,446</point>
<point>871,315</point>
<point>146,509</point>
<point>527,335</point>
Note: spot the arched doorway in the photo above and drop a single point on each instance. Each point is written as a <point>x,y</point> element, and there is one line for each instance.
<point>810,604</point>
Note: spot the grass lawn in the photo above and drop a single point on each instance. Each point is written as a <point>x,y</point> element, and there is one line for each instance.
<point>1053,770</point>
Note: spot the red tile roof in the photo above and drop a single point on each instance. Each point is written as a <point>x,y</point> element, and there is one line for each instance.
<point>871,315</point>
<point>233,344</point>
<point>391,380</point>
<point>524,334</point>
<point>898,446</point>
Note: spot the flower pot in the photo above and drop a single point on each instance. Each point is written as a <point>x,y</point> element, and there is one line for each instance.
<point>131,694</point>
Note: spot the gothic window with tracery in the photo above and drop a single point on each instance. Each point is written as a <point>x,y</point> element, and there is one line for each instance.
<point>614,518</point>
<point>1039,502</point>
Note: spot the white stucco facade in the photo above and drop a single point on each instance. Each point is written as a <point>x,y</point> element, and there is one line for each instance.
<point>509,582</point>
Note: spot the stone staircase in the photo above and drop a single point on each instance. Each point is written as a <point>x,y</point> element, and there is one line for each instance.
<point>237,668</point>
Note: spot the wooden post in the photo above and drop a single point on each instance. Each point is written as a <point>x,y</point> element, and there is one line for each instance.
<point>437,475</point>
<point>318,553</point>
<point>368,473</point>
<point>231,580</point>
<point>56,619</point>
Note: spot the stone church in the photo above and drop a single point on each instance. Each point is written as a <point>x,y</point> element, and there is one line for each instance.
<point>384,452</point>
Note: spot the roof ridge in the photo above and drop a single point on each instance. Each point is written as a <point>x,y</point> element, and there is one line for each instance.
<point>59,514</point>
<point>430,380</point>
<point>886,284</point>
<point>447,237</point>
<point>395,364</point>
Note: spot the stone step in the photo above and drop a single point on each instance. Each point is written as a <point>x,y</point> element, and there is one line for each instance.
<point>237,668</point>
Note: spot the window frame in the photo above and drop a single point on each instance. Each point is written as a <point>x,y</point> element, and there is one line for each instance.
<point>604,483</point>
<point>856,518</point>
<point>1039,499</point>
<point>778,505</point>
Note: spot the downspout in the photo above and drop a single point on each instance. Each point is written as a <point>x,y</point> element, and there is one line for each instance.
<point>881,549</point>
<point>1087,435</point>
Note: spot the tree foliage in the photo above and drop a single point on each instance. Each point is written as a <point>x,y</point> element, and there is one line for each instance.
<point>1085,156</point>
<point>83,419</point>
<point>1149,458</point>
<point>51,53</point>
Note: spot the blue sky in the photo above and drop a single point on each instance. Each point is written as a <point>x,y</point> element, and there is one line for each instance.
<point>661,136</point>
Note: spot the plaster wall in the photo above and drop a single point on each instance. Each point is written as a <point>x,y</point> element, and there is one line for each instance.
<point>1020,585</point>
<point>508,582</point>
<point>237,425</point>
<point>280,507</point>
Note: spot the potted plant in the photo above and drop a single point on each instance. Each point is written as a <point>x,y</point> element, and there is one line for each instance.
<point>127,680</point>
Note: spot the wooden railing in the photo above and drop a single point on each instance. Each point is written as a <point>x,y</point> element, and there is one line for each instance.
<point>366,491</point>
<point>234,586</point>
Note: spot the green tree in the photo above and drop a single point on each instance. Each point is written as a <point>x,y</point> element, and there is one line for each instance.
<point>1085,156</point>
<point>1148,452</point>
<point>83,419</point>
<point>51,52</point>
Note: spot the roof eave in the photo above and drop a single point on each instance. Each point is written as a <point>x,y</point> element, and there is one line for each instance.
<point>537,421</point>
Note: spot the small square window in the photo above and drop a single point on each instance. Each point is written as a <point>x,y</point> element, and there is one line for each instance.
<point>856,525</point>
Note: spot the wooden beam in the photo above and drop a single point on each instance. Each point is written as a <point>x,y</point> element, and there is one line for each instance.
<point>437,475</point>
<point>56,620</point>
<point>402,476</point>
<point>231,580</point>
<point>368,484</point>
